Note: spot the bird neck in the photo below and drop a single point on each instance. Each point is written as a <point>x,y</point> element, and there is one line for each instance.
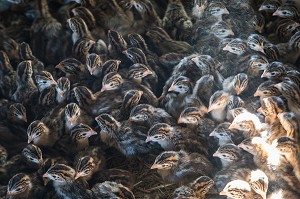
<point>167,144</point>
<point>219,114</point>
<point>41,9</point>
<point>82,144</point>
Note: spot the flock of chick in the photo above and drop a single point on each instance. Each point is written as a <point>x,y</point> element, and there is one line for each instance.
<point>210,88</point>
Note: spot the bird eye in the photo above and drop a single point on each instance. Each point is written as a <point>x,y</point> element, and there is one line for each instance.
<point>221,134</point>
<point>139,7</point>
<point>130,56</point>
<point>265,92</point>
<point>44,82</point>
<point>284,12</point>
<point>103,6</point>
<point>222,31</point>
<point>18,189</point>
<point>273,73</point>
<point>234,49</point>
<point>268,6</point>
<point>38,134</point>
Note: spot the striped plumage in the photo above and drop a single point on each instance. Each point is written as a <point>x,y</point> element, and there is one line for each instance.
<point>44,80</point>
<point>64,183</point>
<point>148,115</point>
<point>236,46</point>
<point>40,135</point>
<point>94,64</point>
<point>290,149</point>
<point>25,83</point>
<point>62,89</point>
<point>196,189</point>
<point>176,138</point>
<point>19,186</point>
<point>79,135</point>
<point>81,48</point>
<point>267,89</point>
<point>236,84</point>
<point>86,15</point>
<point>287,10</point>
<point>275,71</point>
<point>116,44</point>
<point>17,113</point>
<point>79,28</point>
<point>270,6</point>
<point>286,28</point>
<point>136,55</point>
<point>270,107</point>
<point>289,122</point>
<point>84,167</point>
<point>292,93</point>
<point>256,42</point>
<point>70,66</point>
<point>33,156</point>
<point>123,136</point>
<point>217,105</point>
<point>181,167</point>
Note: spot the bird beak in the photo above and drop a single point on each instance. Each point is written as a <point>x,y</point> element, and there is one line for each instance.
<point>261,49</point>
<point>125,52</point>
<point>30,139</point>
<point>140,93</point>
<point>231,33</point>
<point>72,121</point>
<point>8,194</point>
<point>194,59</point>
<point>216,154</point>
<point>256,94</point>
<point>148,72</point>
<point>155,166</point>
<point>92,70</point>
<point>277,86</point>
<point>232,126</point>
<point>280,116</point>
<point>259,110</point>
<point>265,74</point>
<point>41,162</point>
<point>46,175</point>
<point>59,66</point>
<point>24,118</point>
<point>104,88</point>
<point>240,145</point>
<point>179,121</point>
<point>276,13</point>
<point>78,175</point>
<point>262,7</point>
<point>226,11</point>
<point>223,193</point>
<point>213,133</point>
<point>61,93</point>
<point>45,180</point>
<point>210,108</point>
<point>53,82</point>
<point>226,47</point>
<point>148,139</point>
<point>172,88</point>
<point>238,91</point>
